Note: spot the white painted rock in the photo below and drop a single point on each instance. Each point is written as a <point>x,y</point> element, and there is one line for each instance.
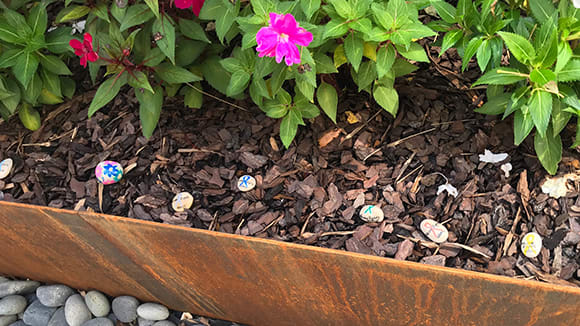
<point>5,168</point>
<point>109,172</point>
<point>246,183</point>
<point>182,201</point>
<point>531,244</point>
<point>434,230</point>
<point>372,214</point>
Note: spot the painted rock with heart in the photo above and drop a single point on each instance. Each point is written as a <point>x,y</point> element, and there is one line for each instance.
<point>5,168</point>
<point>109,172</point>
<point>434,230</point>
<point>182,201</point>
<point>372,214</point>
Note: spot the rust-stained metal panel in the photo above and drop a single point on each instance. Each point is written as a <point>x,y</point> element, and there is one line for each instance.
<point>263,282</point>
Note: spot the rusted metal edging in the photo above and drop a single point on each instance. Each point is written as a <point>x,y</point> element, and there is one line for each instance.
<point>263,282</point>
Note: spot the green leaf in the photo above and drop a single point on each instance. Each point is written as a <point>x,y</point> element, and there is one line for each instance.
<point>51,82</point>
<point>25,67</point>
<point>328,100</point>
<point>215,74</point>
<point>54,65</point>
<point>353,48</point>
<point>175,75</point>
<point>13,101</point>
<point>238,83</point>
<point>517,99</point>
<point>542,76</point>
<point>540,106</point>
<point>164,27</point>
<point>8,34</point>
<point>72,13</point>
<point>549,150</point>
<point>335,28</point>
<point>366,75</point>
<point>501,76</point>
<point>101,11</point>
<point>450,39</point>
<point>274,109</point>
<point>560,117</point>
<point>38,19</point>
<point>519,46</point>
<point>68,87</point>
<point>402,67</point>
<point>136,15</point>
<point>385,59</point>
<point>30,94</point>
<point>445,10</point>
<point>193,30</point>
<point>564,56</point>
<point>149,109</point>
<point>387,98</point>
<point>8,57</point>
<point>523,125</point>
<point>470,51</point>
<point>495,105</point>
<point>483,55</point>
<point>154,6</point>
<point>414,52</point>
<point>343,8</point>
<point>107,92</point>
<point>409,32</point>
<point>139,80</point>
<point>570,72</point>
<point>58,39</point>
<point>193,98</point>
<point>309,7</point>
<point>324,64</point>
<point>546,44</point>
<point>29,117</point>
<point>542,9</point>
<point>288,129</point>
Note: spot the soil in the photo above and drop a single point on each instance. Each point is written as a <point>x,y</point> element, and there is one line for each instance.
<point>312,192</point>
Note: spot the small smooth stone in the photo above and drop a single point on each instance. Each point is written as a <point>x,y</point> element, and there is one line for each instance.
<point>97,303</point>
<point>17,287</point>
<point>125,308</point>
<point>109,172</point>
<point>164,323</point>
<point>531,244</point>
<point>7,320</point>
<point>246,183</point>
<point>144,322</point>
<point>12,305</point>
<point>54,295</point>
<point>182,201</point>
<point>101,321</point>
<point>434,230</point>
<point>153,311</point>
<point>4,279</point>
<point>58,318</point>
<point>38,314</point>
<point>5,168</point>
<point>372,214</point>
<point>18,323</point>
<point>76,311</point>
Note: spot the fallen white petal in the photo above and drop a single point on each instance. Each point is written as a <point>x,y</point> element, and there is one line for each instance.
<point>489,157</point>
<point>79,26</point>
<point>506,168</point>
<point>449,188</point>
<point>558,187</point>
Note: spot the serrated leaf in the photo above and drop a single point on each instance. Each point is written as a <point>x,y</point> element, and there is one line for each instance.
<point>402,67</point>
<point>542,76</point>
<point>413,52</point>
<point>175,75</point>
<point>501,76</point>
<point>540,107</point>
<point>549,150</point>
<point>564,56</point>
<point>288,129</point>
<point>450,39</point>
<point>192,97</point>
<point>560,117</point>
<point>483,55</point>
<point>523,125</point>
<point>193,30</point>
<point>139,80</point>
<point>495,105</point>
<point>519,46</point>
<point>445,10</point>
<point>309,7</point>
<point>387,98</point>
<point>328,100</point>
<point>385,59</point>
<point>570,72</point>
<point>238,83</point>
<point>470,51</point>
<point>353,48</point>
<point>149,109</point>
<point>542,9</point>
<point>136,15</point>
<point>335,28</point>
<point>163,27</point>
<point>107,92</point>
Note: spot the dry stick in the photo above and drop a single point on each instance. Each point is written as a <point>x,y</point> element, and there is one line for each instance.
<point>217,98</point>
<point>397,142</point>
<point>336,233</point>
<point>240,225</point>
<point>274,222</point>
<point>450,122</point>
<point>359,128</point>
<point>410,173</point>
<point>305,224</point>
<point>405,166</point>
<point>213,222</point>
<point>509,237</point>
<point>45,144</point>
<point>195,150</point>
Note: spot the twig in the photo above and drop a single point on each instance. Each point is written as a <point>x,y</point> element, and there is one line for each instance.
<point>274,222</point>
<point>45,144</point>
<point>359,128</point>
<point>325,234</point>
<point>305,224</point>
<point>196,150</point>
<point>405,166</point>
<point>397,142</point>
<point>217,98</point>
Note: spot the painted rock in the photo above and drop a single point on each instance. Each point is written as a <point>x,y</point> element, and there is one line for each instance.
<point>372,214</point>
<point>531,244</point>
<point>182,201</point>
<point>6,167</point>
<point>246,183</point>
<point>109,172</point>
<point>434,230</point>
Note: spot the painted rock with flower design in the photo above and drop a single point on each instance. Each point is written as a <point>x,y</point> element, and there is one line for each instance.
<point>109,172</point>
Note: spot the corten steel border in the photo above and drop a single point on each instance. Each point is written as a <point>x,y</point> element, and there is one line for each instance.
<point>263,282</point>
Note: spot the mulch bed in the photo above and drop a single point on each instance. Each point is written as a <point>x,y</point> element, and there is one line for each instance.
<point>312,192</point>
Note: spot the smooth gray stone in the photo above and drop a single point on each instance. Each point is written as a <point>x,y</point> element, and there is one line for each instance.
<point>4,279</point>
<point>98,303</point>
<point>112,317</point>
<point>12,305</point>
<point>125,308</point>
<point>7,320</point>
<point>76,311</point>
<point>58,318</point>
<point>18,323</point>
<point>17,287</point>
<point>152,311</point>
<point>145,322</point>
<point>54,295</point>
<point>31,297</point>
<point>101,321</point>
<point>164,323</point>
<point>38,314</point>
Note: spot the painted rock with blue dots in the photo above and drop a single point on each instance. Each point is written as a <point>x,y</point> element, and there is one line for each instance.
<point>109,172</point>
<point>246,183</point>
<point>372,214</point>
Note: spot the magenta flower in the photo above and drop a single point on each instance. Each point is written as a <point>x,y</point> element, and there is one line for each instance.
<point>195,5</point>
<point>84,49</point>
<point>281,39</point>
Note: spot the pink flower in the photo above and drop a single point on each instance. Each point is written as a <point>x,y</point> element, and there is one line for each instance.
<point>84,49</point>
<point>281,37</point>
<point>193,4</point>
